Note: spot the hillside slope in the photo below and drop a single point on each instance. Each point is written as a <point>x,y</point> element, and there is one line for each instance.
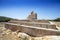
<point>4,19</point>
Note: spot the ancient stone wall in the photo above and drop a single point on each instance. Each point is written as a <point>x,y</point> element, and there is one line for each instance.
<point>29,23</point>
<point>43,21</point>
<point>49,26</point>
<point>32,30</point>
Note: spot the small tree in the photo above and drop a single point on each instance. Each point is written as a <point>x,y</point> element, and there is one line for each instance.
<point>58,19</point>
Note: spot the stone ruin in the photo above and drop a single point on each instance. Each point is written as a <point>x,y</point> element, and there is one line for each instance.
<point>32,16</point>
<point>33,26</point>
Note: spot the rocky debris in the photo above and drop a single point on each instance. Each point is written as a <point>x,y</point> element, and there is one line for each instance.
<point>14,33</point>
<point>6,34</point>
<point>47,38</point>
<point>9,37</point>
<point>2,29</point>
<point>7,31</point>
<point>24,35</point>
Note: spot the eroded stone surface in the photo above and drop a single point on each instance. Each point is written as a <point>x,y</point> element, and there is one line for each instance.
<point>7,34</point>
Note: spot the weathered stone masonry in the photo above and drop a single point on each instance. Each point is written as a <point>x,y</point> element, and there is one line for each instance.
<point>32,26</point>
<point>32,30</point>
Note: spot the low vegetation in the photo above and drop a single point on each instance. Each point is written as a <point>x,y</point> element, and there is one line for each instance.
<point>4,19</point>
<point>57,20</point>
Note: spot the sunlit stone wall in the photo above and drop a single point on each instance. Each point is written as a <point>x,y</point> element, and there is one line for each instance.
<point>32,30</point>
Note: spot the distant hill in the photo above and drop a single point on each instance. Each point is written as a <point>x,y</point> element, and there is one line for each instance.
<point>57,20</point>
<point>4,19</point>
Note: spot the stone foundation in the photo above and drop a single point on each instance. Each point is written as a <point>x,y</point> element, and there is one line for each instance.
<point>33,31</point>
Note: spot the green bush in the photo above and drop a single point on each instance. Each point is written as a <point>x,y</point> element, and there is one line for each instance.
<point>25,38</point>
<point>4,19</point>
<point>57,19</point>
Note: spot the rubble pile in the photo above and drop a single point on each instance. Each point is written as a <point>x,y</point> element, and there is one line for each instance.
<point>6,34</point>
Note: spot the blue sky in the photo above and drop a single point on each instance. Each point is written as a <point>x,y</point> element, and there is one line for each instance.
<point>20,9</point>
